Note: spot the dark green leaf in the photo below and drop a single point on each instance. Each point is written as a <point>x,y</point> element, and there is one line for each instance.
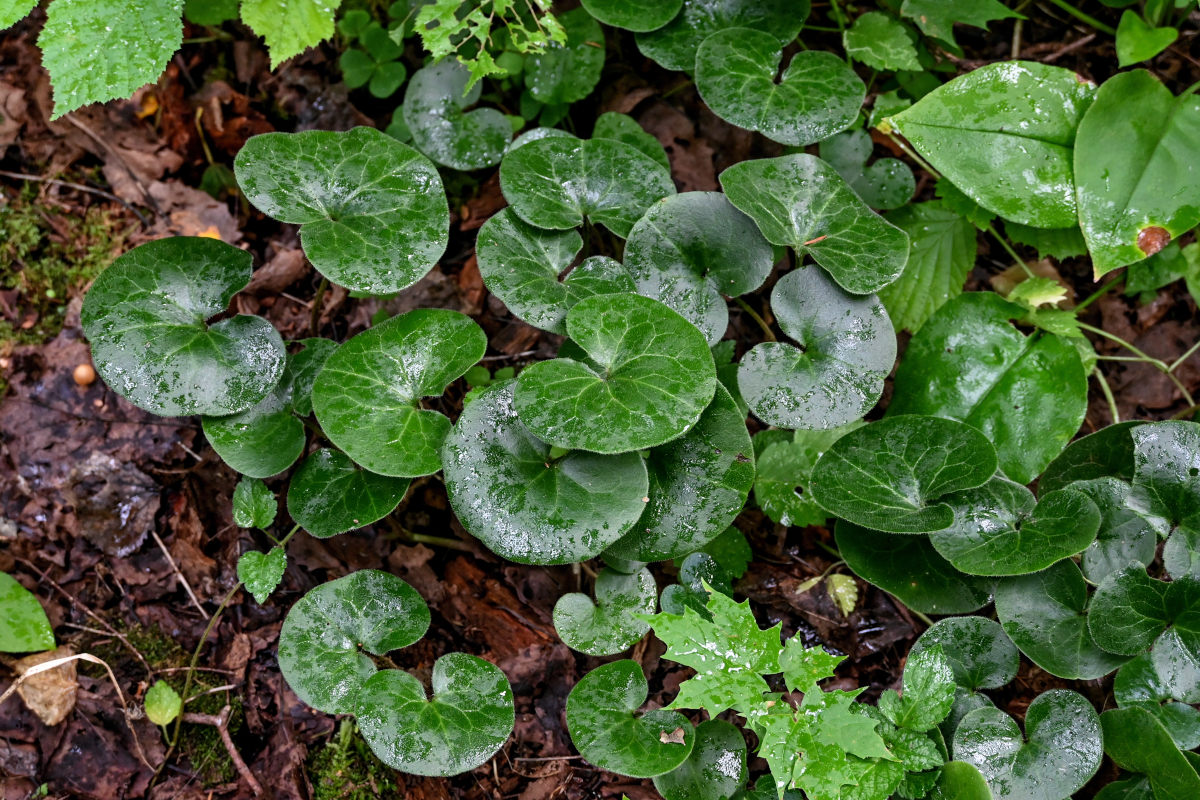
<point>941,253</point>
<point>1166,483</point>
<point>435,106</point>
<point>1106,453</point>
<point>330,494</point>
<point>888,183</point>
<point>979,652</point>
<point>1058,243</point>
<point>674,46</point>
<point>715,770</point>
<point>624,128</point>
<point>960,781</point>
<point>1136,741</point>
<point>254,505</point>
<point>26,628</point>
<point>1126,532</point>
<point>608,625</point>
<point>568,72</point>
<point>1139,685</point>
<point>634,15</point>
<point>262,572</point>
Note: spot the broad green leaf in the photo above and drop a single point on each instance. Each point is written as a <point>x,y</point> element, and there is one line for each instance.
<point>846,349</point>
<point>1135,198</point>
<point>608,625</point>
<point>1003,134</point>
<point>888,183</point>
<point>1161,269</point>
<point>657,378</point>
<point>624,128</point>
<point>330,494</point>
<point>1166,483</point>
<point>782,472</point>
<point>26,628</point>
<point>565,73</point>
<point>801,202</point>
<point>254,505</point>
<point>738,76</point>
<point>1127,533</point>
<point>1133,788</point>
<point>1057,243</point>
<point>521,264</point>
<point>937,18</point>
<point>1060,751</point>
<point>928,691</point>
<point>965,702</point>
<point>890,474</point>
<point>909,568</point>
<point>526,504</point>
<point>1136,741</point>
<point>715,769</point>
<point>977,649</point>
<point>1106,453</point>
<point>145,317</point>
<point>606,729</point>
<point>881,42</point>
<point>1028,394</point>
<point>13,11</point>
<point>327,634</point>
<point>162,703</point>
<point>699,575</point>
<point>557,182</point>
<point>941,253</point>
<point>698,485</point>
<point>731,551</point>
<point>464,723</point>
<point>804,667</point>
<point>634,15</point>
<point>1045,616</point>
<point>999,530</point>
<point>435,104</point>
<point>262,572</point>
<point>961,781</point>
<point>1138,685</point>
<point>692,250</point>
<point>372,211</point>
<point>674,46</point>
<point>98,50</point>
<point>302,369</point>
<point>534,134</point>
<point>290,26</point>
<point>1139,41</point>
<point>368,395</point>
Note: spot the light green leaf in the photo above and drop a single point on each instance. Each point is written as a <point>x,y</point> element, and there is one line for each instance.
<point>715,770</point>
<point>634,15</point>
<point>961,781</point>
<point>1139,41</point>
<point>804,667</point>
<point>435,104</point>
<point>888,183</point>
<point>26,628</point>
<point>977,649</point>
<point>290,26</point>
<point>330,494</point>
<point>13,11</point>
<point>881,42</point>
<point>565,73</point>
<point>928,694</point>
<point>254,505</point>
<point>941,253</point>
<point>612,623</point>
<point>936,18</point>
<point>1138,685</point>
<point>674,46</point>
<point>624,128</point>
<point>262,572</point>
<point>1135,741</point>
<point>162,703</point>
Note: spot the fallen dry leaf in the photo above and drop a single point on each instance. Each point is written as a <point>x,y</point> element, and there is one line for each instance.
<point>49,694</point>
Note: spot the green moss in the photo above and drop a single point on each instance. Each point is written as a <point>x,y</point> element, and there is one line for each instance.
<point>346,769</point>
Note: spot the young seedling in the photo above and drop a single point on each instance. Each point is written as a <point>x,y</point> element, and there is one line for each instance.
<point>608,625</point>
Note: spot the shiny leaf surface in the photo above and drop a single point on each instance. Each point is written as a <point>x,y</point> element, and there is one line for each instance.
<point>608,625</point>
<point>330,494</point>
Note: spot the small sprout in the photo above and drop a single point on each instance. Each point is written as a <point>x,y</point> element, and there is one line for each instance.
<point>163,704</point>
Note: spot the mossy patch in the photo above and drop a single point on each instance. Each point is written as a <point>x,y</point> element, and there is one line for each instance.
<point>346,769</point>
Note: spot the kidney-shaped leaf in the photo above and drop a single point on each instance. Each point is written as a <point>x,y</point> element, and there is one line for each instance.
<point>330,494</point>
<point>562,74</point>
<point>1138,685</point>
<point>802,202</point>
<point>1166,483</point>
<point>434,109</point>
<point>960,781</point>
<point>466,721</point>
<point>367,397</point>
<point>715,770</point>
<point>978,651</point>
<point>624,128</point>
<point>1127,532</point>
<point>656,376</point>
<point>674,46</point>
<point>325,634</point>
<point>890,474</point>
<point>1136,741</point>
<point>525,503</point>
<point>26,628</point>
<point>847,348</point>
<point>608,625</point>
<point>605,727</point>
<point>634,15</point>
<point>1106,453</point>
<point>373,211</point>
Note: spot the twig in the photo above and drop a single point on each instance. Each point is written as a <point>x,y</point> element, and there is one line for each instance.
<point>109,148</point>
<point>221,723</point>
<point>179,574</point>
<point>187,683</point>
<point>79,187</point>
<point>1062,51</point>
<point>1190,351</point>
<point>314,319</point>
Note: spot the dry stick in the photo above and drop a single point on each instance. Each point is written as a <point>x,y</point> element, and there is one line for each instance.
<point>179,574</point>
<point>1062,51</point>
<point>128,169</point>
<point>221,723</point>
<point>79,187</point>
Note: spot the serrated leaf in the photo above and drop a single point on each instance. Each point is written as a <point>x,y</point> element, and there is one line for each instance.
<point>330,494</point>
<point>839,725</point>
<point>887,183</point>
<point>13,11</point>
<point>928,691</point>
<point>562,74</point>
<point>612,623</point>
<point>254,505</point>
<point>634,15</point>
<point>674,46</point>
<point>290,26</point>
<point>1135,741</point>
<point>162,703</point>
<point>26,628</point>
<point>1139,685</point>
<point>843,591</point>
<point>803,667</point>
<point>881,42</point>
<point>977,649</point>
<point>942,250</point>
<point>624,128</point>
<point>434,108</point>
<point>715,769</point>
<point>262,572</point>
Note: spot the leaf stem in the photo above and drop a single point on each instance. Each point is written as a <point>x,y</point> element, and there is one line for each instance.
<point>187,683</point>
<point>1085,18</point>
<point>1191,350</point>
<point>314,320</point>
<point>913,155</point>
<point>762,323</point>
<point>1096,295</point>
<point>1009,249</point>
<point>1158,364</point>
<point>1108,395</point>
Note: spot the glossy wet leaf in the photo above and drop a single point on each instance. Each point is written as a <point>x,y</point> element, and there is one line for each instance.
<point>624,128</point>
<point>783,469</point>
<point>328,632</point>
<point>1106,453</point>
<point>928,691</point>
<point>890,475</point>
<point>1028,394</point>
<point>960,781</point>
<point>887,183</point>
<point>607,729</point>
<point>846,349</point>
<point>608,625</point>
<point>1138,685</point>
<point>565,73</point>
<point>657,378</point>
<point>557,182</point>
<point>715,770</point>
<point>26,628</point>
<point>368,395</point>
<point>302,370</point>
<point>699,575</point>
<point>881,42</point>
<point>911,569</point>
<point>521,264</point>
<point>1166,483</point>
<point>738,75</point>
<point>1045,614</point>
<point>146,319</point>
<point>1059,752</point>
<point>468,718</point>
<point>634,15</point>
<point>977,649</point>
<point>698,485</point>
<point>162,703</point>
<point>692,250</point>
<point>13,11</point>
<point>254,505</point>
<point>1004,134</point>
<point>372,211</point>
<point>802,202</point>
<point>330,494</point>
<point>674,46</point>
<point>262,572</point>
<point>942,249</point>
<point>1127,532</point>
<point>1136,741</point>
<point>1135,198</point>
<point>527,505</point>
<point>435,109</point>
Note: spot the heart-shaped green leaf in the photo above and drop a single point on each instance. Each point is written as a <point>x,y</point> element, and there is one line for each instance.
<point>888,183</point>
<point>1044,615</point>
<point>254,505</point>
<point>909,568</point>
<point>698,485</point>
<point>978,651</point>
<point>1134,199</point>
<point>715,770</point>
<point>624,128</point>
<point>847,348</point>
<point>162,703</point>
<point>262,572</point>
<point>1003,134</point>
<point>965,702</point>
<point>526,504</point>
<point>372,210</point>
<point>303,368</point>
<point>890,474</point>
<point>521,265</point>
<point>608,625</point>
<point>330,494</point>
<point>557,182</point>
<point>652,376</point>
<point>325,634</point>
<point>367,397</point>
<point>466,721</point>
<point>562,74</point>
<point>738,76</point>
<point>435,104</point>
<point>1127,533</point>
<point>1060,751</point>
<point>692,250</point>
<point>1136,741</point>
<point>960,781</point>
<point>606,729</point>
<point>145,317</point>
<point>1138,41</point>
<point>783,468</point>
<point>1166,483</point>
<point>634,15</point>
<point>674,46</point>
<point>1106,453</point>
<point>1138,685</point>
<point>969,363</point>
<point>802,202</point>
<point>26,628</point>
